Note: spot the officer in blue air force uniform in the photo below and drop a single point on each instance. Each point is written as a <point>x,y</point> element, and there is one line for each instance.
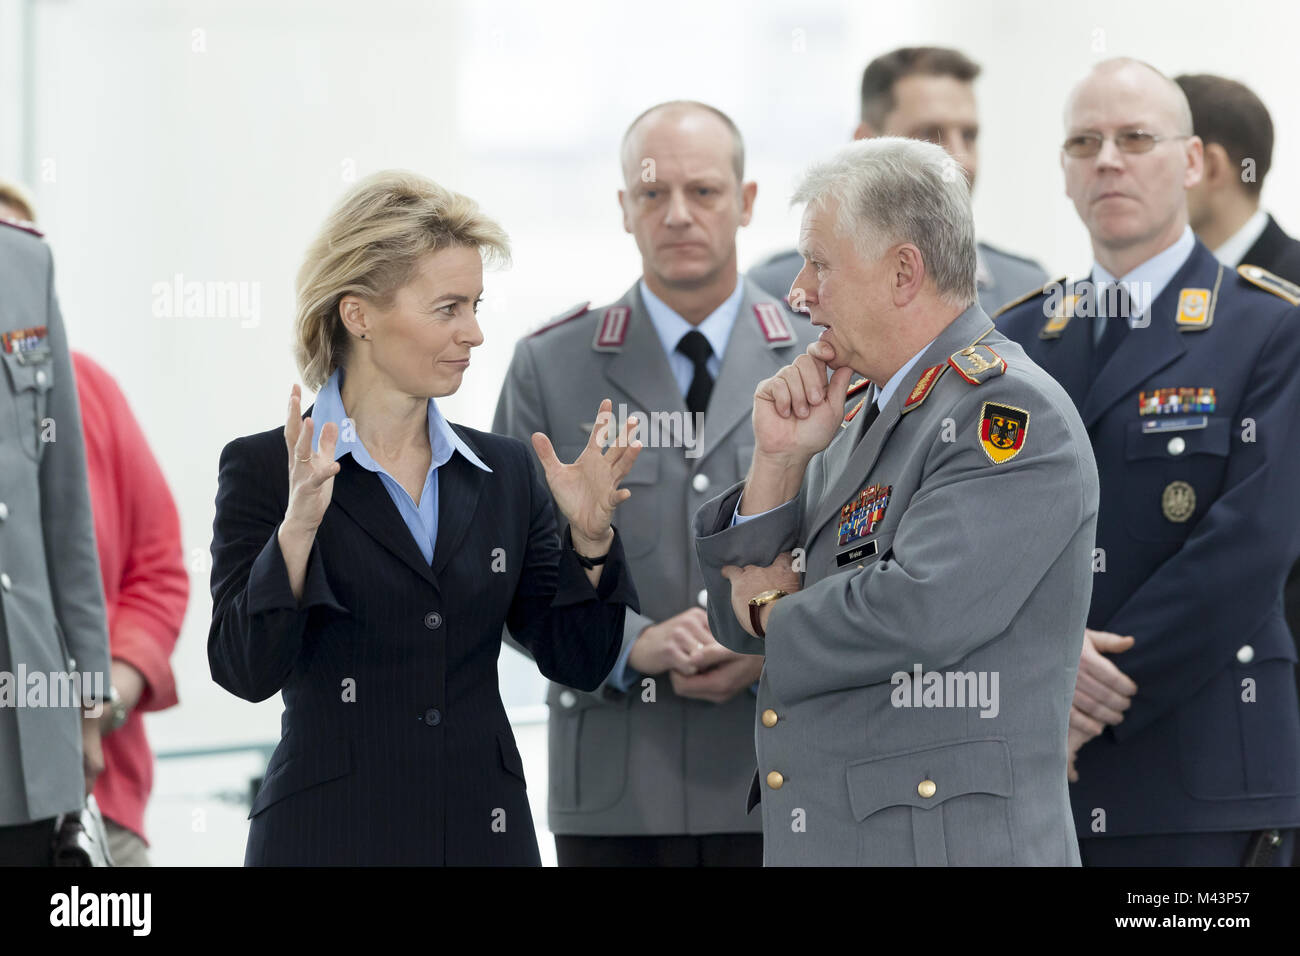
<point>1192,409</point>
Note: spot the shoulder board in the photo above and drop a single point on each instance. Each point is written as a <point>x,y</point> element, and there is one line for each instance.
<point>773,325</point>
<point>922,388</point>
<point>23,225</point>
<point>1035,293</point>
<point>565,316</point>
<point>977,364</point>
<point>1275,284</point>
<point>857,387</point>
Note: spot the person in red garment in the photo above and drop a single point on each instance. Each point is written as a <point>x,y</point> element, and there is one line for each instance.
<point>138,537</point>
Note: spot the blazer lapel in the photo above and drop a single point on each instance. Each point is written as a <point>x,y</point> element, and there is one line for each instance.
<point>1146,350</point>
<point>967,329</point>
<point>749,358</point>
<point>363,496</point>
<point>460,483</point>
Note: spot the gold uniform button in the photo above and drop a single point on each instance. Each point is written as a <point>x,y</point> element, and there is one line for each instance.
<point>769,718</point>
<point>926,788</point>
<point>775,780</point>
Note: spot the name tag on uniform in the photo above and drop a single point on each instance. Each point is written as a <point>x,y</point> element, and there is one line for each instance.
<point>857,554</point>
<point>1155,425</point>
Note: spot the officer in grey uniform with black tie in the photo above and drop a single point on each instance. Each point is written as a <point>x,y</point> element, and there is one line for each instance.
<point>52,622</point>
<point>653,768</point>
<point>925,93</point>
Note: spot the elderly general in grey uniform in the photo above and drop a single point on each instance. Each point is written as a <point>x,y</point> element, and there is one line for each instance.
<point>934,545</point>
<point>51,599</point>
<point>654,766</point>
<point>925,93</point>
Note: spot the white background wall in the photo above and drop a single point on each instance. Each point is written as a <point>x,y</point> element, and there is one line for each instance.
<point>209,139</point>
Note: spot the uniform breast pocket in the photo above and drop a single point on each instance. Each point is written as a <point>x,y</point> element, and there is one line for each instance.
<point>30,383</point>
<point>1172,476</point>
<point>588,741</point>
<point>947,805</point>
<point>638,519</point>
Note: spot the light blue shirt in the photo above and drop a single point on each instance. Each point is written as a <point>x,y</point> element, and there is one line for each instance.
<point>882,397</point>
<point>421,519</point>
<point>1145,283</point>
<point>671,327</point>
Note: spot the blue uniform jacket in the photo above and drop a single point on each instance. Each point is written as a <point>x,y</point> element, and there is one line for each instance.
<point>1212,739</point>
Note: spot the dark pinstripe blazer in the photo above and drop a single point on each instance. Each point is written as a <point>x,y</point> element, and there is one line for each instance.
<point>395,748</point>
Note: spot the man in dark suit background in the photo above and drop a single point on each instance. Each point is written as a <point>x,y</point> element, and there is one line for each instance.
<point>1225,211</point>
<point>925,93</point>
<point>1224,207</point>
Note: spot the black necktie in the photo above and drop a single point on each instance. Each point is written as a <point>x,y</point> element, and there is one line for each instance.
<point>696,348</point>
<point>1114,308</point>
<point>869,415</point>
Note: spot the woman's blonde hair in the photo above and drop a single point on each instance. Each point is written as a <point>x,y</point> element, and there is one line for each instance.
<point>369,247</point>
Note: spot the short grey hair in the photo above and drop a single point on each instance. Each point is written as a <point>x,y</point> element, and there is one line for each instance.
<point>891,190</point>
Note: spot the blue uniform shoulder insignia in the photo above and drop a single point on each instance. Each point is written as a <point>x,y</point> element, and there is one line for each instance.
<point>565,316</point>
<point>977,364</point>
<point>1266,280</point>
<point>1047,289</point>
<point>22,225</point>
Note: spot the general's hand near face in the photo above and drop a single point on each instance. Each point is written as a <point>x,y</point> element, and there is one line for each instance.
<point>796,411</point>
<point>587,491</point>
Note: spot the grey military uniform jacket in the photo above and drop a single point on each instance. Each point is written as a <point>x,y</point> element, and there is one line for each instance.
<point>622,763</point>
<point>51,595</point>
<point>1000,278</point>
<point>966,564</point>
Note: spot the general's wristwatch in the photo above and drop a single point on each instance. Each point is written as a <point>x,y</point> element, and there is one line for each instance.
<point>760,601</point>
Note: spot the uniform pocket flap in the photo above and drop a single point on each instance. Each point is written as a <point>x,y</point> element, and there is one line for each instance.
<point>943,771</point>
<point>510,758</point>
<point>1212,439</point>
<point>30,374</point>
<point>298,772</point>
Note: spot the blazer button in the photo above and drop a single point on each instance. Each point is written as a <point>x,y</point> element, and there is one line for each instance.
<point>700,482</point>
<point>775,780</point>
<point>769,718</point>
<point>926,788</point>
<point>432,717</point>
<point>433,620</point>
<point>1245,654</point>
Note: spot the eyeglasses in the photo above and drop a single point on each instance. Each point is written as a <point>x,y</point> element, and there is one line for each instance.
<point>1087,145</point>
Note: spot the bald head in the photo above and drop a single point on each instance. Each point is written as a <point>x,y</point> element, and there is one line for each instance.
<point>661,125</point>
<point>1144,89</point>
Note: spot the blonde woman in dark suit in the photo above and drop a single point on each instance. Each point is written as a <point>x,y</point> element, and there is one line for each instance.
<point>366,556</point>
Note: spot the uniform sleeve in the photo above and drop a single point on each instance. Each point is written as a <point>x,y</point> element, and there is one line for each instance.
<point>155,587</point>
<point>520,412</point>
<point>573,631</point>
<point>962,564</point>
<point>257,624</point>
<point>66,521</point>
<point>1188,621</point>
<point>720,542</point>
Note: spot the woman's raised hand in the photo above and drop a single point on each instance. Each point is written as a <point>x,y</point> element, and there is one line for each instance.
<point>587,491</point>
<point>311,475</point>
